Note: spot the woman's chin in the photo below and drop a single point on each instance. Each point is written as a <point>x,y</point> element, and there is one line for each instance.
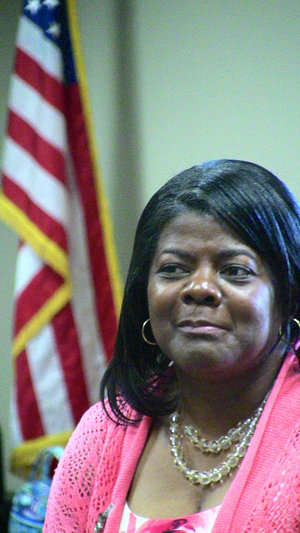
<point>209,367</point>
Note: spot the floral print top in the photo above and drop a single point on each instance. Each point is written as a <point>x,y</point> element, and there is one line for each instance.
<point>201,522</point>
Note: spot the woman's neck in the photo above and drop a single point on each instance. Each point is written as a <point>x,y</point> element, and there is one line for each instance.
<point>215,407</point>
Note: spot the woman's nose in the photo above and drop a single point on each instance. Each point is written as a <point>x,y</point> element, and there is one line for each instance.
<point>202,290</point>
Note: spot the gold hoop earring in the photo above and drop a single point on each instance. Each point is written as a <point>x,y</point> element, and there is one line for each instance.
<point>144,336</point>
<point>297,322</point>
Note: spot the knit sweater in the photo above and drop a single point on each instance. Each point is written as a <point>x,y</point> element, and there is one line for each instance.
<point>99,462</point>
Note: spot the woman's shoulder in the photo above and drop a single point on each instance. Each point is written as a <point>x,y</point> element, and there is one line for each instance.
<point>95,432</point>
<point>102,415</point>
<point>97,424</point>
<point>97,415</point>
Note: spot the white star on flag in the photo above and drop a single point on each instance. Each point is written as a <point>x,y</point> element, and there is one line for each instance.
<point>54,29</point>
<point>33,6</point>
<point>51,4</point>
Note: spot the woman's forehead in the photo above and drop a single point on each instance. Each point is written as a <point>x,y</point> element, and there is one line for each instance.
<point>189,225</point>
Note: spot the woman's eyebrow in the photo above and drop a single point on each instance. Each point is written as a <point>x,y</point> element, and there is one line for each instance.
<point>233,252</point>
<point>176,251</point>
<point>223,254</point>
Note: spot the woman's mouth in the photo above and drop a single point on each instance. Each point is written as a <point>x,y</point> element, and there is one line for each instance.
<point>200,327</point>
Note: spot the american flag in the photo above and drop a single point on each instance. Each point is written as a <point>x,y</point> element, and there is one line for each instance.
<point>67,291</point>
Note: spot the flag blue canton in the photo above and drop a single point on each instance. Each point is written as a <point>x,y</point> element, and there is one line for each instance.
<point>51,17</point>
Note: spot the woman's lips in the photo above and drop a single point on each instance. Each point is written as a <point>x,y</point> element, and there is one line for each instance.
<point>200,327</point>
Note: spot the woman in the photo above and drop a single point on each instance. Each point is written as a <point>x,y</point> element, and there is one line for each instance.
<point>200,427</point>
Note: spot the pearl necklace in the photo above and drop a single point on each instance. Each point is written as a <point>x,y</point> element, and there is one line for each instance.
<point>239,438</point>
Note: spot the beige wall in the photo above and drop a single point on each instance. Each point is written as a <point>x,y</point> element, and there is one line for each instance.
<point>172,83</point>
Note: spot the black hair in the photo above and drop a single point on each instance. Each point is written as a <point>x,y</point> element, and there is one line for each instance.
<point>245,198</point>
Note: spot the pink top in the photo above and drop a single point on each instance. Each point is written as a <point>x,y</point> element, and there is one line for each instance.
<point>94,475</point>
<point>201,522</point>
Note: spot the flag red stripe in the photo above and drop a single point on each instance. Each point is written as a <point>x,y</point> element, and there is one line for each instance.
<point>42,220</point>
<point>44,153</point>
<point>86,185</point>
<point>28,410</point>
<point>36,293</point>
<point>67,345</point>
<point>33,74</point>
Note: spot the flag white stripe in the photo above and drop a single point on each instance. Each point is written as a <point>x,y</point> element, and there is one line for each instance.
<point>45,119</point>
<point>49,383</point>
<point>83,303</point>
<point>45,190</point>
<point>16,436</point>
<point>32,41</point>
<point>28,264</point>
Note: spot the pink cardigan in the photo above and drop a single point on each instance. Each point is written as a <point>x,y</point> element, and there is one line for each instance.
<point>99,462</point>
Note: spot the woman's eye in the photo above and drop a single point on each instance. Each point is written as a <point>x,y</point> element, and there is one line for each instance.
<point>172,270</point>
<point>237,272</point>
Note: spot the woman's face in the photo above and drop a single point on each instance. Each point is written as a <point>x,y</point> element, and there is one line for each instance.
<point>211,299</point>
